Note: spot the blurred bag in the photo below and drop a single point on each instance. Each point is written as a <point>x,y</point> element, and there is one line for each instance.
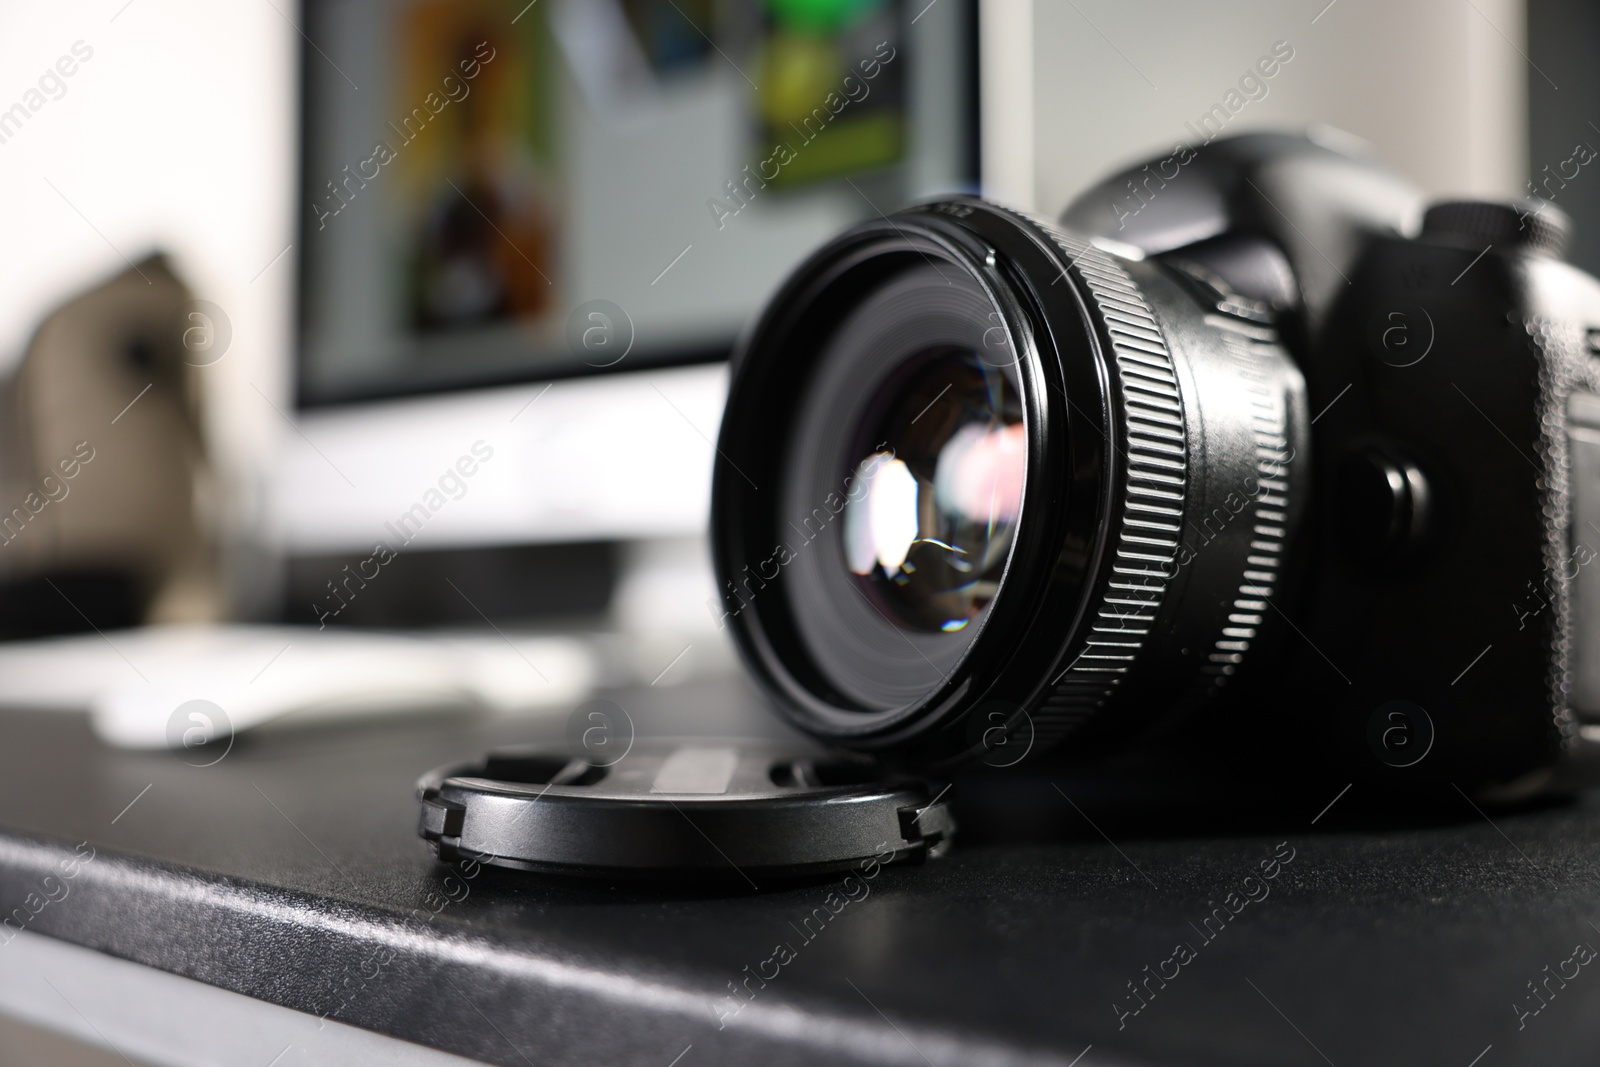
<point>105,518</point>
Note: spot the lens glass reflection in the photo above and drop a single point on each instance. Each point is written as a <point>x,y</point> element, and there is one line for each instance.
<point>936,489</point>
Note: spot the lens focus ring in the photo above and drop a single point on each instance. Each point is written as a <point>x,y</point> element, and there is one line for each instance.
<point>1152,435</point>
<point>1197,549</point>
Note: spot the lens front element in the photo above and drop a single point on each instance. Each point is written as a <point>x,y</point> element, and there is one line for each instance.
<point>902,486</point>
<point>927,535</point>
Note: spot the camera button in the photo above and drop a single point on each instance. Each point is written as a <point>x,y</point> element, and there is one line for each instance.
<point>1383,505</point>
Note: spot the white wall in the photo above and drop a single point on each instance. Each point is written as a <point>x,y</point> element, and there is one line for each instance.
<point>1438,86</point>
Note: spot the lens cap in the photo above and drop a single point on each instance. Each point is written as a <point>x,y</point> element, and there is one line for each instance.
<point>701,810</point>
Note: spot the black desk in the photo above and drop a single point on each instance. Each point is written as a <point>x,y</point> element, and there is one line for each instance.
<point>287,872</point>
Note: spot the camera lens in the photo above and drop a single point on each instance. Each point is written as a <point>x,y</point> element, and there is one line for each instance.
<point>970,461</point>
<point>901,486</point>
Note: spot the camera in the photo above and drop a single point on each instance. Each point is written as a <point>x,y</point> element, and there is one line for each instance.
<point>1254,453</point>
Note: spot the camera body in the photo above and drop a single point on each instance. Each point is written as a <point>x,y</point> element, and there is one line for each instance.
<point>1309,470</point>
<point>1444,596</point>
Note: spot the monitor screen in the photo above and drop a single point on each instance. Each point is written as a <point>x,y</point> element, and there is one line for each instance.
<point>498,191</point>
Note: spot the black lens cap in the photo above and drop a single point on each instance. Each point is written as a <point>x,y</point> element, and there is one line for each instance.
<point>705,809</point>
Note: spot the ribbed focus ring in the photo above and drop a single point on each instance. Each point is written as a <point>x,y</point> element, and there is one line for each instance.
<point>1253,349</point>
<point>1153,443</point>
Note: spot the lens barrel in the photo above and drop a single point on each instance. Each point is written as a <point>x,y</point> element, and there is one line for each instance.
<point>984,487</point>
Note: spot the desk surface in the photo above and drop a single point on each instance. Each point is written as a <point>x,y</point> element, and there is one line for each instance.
<point>291,872</point>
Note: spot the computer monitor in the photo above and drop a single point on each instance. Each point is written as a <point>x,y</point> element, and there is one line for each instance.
<point>543,225</point>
